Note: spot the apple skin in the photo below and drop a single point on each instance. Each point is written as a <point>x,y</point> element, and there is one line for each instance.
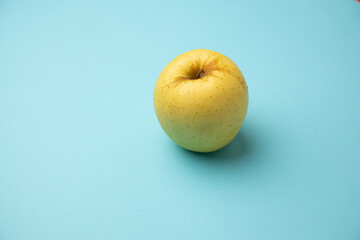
<point>201,99</point>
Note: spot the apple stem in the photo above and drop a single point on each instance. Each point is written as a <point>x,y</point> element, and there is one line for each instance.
<point>200,74</point>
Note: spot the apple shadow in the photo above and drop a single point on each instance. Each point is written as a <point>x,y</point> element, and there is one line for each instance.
<point>240,150</point>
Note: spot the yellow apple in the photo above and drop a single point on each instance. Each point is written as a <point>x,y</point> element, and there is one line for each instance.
<point>201,100</point>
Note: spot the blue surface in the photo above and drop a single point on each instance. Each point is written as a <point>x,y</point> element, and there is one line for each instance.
<point>82,155</point>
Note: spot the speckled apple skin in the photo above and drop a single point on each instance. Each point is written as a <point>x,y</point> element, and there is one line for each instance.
<point>205,114</point>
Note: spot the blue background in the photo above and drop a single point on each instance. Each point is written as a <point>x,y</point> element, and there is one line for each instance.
<point>82,155</point>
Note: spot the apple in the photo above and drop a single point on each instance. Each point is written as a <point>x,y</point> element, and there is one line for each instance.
<point>201,99</point>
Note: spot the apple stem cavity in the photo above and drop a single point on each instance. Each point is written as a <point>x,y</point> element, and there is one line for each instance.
<point>200,74</point>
